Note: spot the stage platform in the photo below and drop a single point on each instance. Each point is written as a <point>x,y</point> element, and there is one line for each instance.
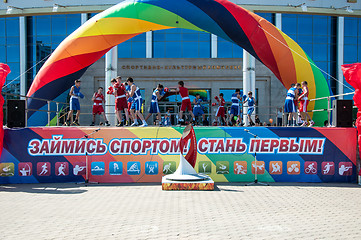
<point>226,154</point>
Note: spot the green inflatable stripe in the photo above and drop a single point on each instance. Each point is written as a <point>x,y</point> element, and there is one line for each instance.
<point>147,11</point>
<point>322,90</point>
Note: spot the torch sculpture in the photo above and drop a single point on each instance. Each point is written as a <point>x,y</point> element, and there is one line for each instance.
<point>185,177</point>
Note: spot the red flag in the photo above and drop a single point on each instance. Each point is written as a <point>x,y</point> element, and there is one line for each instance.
<point>352,73</point>
<point>189,135</point>
<point>4,71</point>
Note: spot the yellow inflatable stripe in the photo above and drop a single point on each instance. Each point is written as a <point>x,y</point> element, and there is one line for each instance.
<point>113,26</point>
<point>303,68</point>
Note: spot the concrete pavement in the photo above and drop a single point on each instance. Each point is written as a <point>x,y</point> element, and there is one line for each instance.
<point>144,211</point>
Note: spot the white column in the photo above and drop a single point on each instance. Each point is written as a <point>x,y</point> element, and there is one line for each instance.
<point>340,54</point>
<point>214,47</point>
<point>249,79</point>
<point>84,18</point>
<point>111,71</point>
<point>278,21</point>
<point>22,25</point>
<point>149,44</point>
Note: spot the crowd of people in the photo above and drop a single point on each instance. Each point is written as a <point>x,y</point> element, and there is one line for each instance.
<point>129,101</point>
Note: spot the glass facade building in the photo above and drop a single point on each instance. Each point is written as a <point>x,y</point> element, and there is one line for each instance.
<point>10,52</point>
<point>317,35</point>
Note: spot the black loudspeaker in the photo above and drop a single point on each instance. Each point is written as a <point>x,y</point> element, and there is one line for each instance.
<point>342,114</point>
<point>15,113</point>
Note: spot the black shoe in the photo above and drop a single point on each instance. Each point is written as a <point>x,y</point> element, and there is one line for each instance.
<point>75,123</point>
<point>101,124</point>
<point>107,123</point>
<point>92,124</point>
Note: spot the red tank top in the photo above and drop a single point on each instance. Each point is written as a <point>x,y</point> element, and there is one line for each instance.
<point>98,98</point>
<point>222,102</point>
<point>305,97</point>
<point>120,89</point>
<point>183,92</point>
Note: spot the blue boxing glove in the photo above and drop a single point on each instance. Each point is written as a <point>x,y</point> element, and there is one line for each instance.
<point>130,99</point>
<point>244,97</point>
<point>80,95</point>
<point>162,93</point>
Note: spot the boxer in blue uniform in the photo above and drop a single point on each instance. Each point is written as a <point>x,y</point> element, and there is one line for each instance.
<point>290,106</point>
<point>235,109</point>
<point>137,103</point>
<point>251,104</point>
<point>158,93</point>
<point>75,94</point>
<point>198,109</point>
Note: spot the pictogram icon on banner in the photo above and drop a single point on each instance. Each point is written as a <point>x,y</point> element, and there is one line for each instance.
<point>240,167</point>
<point>275,167</point>
<point>328,168</point>
<point>293,167</point>
<point>260,167</point>
<point>310,167</point>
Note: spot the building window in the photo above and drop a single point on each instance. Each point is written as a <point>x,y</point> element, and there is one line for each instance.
<point>181,43</point>
<point>133,48</point>
<point>227,49</point>
<point>317,37</point>
<point>352,46</point>
<point>45,33</point>
<point>10,52</point>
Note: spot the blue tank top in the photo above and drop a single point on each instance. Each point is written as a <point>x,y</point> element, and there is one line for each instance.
<point>250,102</point>
<point>137,94</point>
<point>154,95</point>
<point>198,102</point>
<point>291,93</point>
<point>234,99</point>
<point>76,90</point>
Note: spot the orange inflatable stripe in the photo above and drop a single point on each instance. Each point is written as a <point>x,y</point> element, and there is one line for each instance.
<point>84,45</point>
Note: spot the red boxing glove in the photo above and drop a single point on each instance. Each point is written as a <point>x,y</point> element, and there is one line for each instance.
<point>214,104</point>
<point>110,90</point>
<point>166,89</point>
<point>216,97</point>
<point>116,85</point>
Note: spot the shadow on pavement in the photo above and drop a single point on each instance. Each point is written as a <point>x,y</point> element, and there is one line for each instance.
<point>79,188</point>
<point>51,188</point>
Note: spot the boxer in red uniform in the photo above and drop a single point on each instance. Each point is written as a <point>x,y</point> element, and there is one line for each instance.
<point>303,99</point>
<point>99,101</point>
<point>186,102</point>
<point>220,111</point>
<point>120,100</point>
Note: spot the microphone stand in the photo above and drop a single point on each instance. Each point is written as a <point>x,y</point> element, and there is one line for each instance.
<point>86,136</point>
<point>255,162</point>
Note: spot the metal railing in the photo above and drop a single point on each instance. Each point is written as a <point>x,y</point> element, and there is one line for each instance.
<point>329,108</point>
<point>62,109</point>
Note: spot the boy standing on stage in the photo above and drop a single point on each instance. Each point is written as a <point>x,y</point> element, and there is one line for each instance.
<point>74,103</point>
<point>137,103</point>
<point>220,111</point>
<point>154,107</point>
<point>99,101</point>
<point>251,104</point>
<point>235,109</point>
<point>186,102</point>
<point>303,99</point>
<point>198,111</point>
<point>290,106</point>
<point>120,100</point>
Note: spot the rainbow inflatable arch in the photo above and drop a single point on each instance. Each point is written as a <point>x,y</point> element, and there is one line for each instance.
<point>283,56</point>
